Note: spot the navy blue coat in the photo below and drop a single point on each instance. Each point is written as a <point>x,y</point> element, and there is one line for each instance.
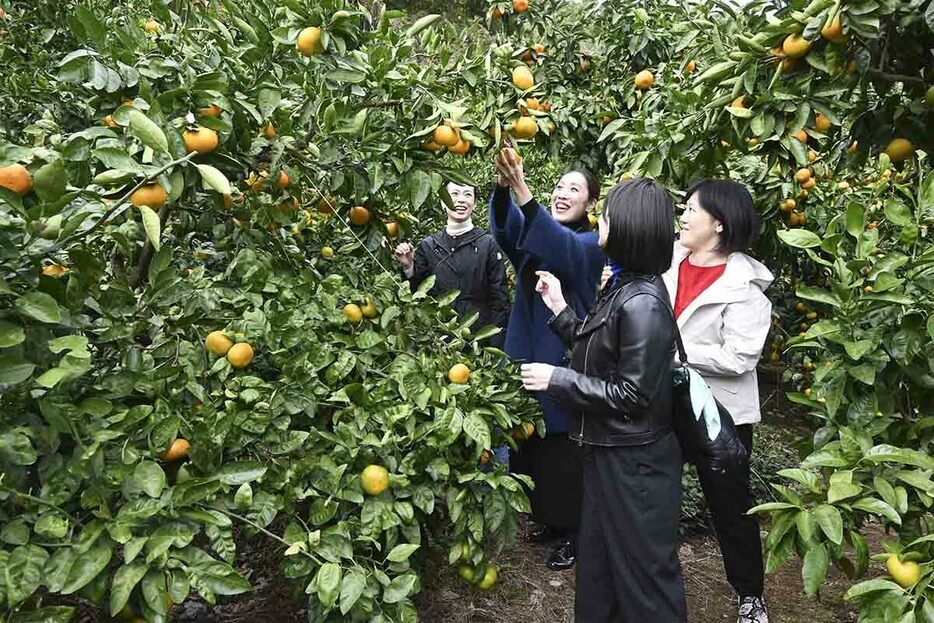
<point>533,240</point>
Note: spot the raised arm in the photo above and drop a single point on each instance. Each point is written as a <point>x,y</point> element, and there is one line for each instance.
<point>506,222</point>
<point>642,325</point>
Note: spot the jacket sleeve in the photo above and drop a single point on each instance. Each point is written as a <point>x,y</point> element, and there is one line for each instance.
<point>565,325</point>
<point>421,269</point>
<point>506,223</point>
<point>550,241</point>
<point>642,326</point>
<point>745,329</point>
<point>498,288</point>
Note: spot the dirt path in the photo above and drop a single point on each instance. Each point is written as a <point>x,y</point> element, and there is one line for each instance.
<point>530,593</point>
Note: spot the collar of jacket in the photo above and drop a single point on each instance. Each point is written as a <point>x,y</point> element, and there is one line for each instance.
<point>463,239</point>
<point>741,276</point>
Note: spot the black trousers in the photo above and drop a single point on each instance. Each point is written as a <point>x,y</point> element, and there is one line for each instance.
<point>728,498</point>
<point>627,558</point>
<point>554,463</point>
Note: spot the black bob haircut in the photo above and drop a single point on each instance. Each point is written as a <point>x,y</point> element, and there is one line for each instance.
<point>642,226</point>
<point>476,189</point>
<point>731,204</point>
<point>593,184</point>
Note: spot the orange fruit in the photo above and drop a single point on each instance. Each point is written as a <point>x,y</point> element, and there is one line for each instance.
<point>691,67</point>
<point>16,178</point>
<point>460,148</point>
<point>520,6</point>
<point>585,64</point>
<point>795,46</point>
<point>152,26</point>
<point>539,48</point>
<point>240,355</point>
<point>522,78</point>
<point>358,215</point>
<point>810,183</point>
<point>489,579</point>
<point>906,574</point>
<point>284,179</point>
<point>739,102</point>
<point>788,205</point>
<point>789,65</point>
<point>54,270</point>
<point>801,135</point>
<point>803,175</point>
<point>898,150</point>
<point>109,122</point>
<point>289,205</point>
<point>177,451</point>
<point>218,343</point>
<point>269,130</point>
<point>327,252</point>
<point>645,79</point>
<point>431,146</point>
<point>525,127</point>
<point>459,374</point>
<point>326,205</point>
<point>392,229</point>
<point>833,31</point>
<point>485,457</point>
<point>201,140</point>
<point>812,155</point>
<point>822,124</point>
<point>496,13</point>
<point>446,136</point>
<point>213,111</point>
<point>369,309</point>
<point>309,41</point>
<point>353,313</point>
<point>374,479</point>
<point>152,195</point>
<point>532,104</point>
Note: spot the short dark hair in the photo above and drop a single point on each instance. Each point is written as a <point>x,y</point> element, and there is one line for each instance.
<point>469,184</point>
<point>642,226</point>
<point>731,204</point>
<point>593,184</point>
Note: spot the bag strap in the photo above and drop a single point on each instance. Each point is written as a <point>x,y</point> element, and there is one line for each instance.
<point>682,354</point>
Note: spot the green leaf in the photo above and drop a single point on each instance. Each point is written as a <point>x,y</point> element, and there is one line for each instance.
<point>878,507</point>
<point>830,522</point>
<point>841,491</point>
<point>328,583</point>
<point>152,225</point>
<point>11,334</point>
<point>870,586</point>
<point>855,219</point>
<point>39,306</point>
<point>214,179</point>
<point>47,614</point>
<point>820,295</point>
<point>243,498</point>
<point>421,24</point>
<point>477,429</point>
<point>351,588</point>
<point>769,507</point>
<point>73,343</point>
<point>907,456</point>
<point>23,573</point>
<point>897,213</point>
<point>147,131</point>
<point>400,588</point>
<point>150,478</point>
<point>51,180</point>
<point>240,472</point>
<point>125,580</point>
<point>51,525</point>
<point>799,238</point>
<point>401,552</point>
<point>86,568</point>
<point>814,570</point>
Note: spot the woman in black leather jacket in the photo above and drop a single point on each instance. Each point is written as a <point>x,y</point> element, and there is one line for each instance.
<point>618,389</point>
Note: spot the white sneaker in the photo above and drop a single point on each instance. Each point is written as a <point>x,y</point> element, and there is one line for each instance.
<point>752,610</point>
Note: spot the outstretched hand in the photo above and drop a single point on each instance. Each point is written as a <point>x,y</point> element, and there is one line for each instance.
<point>550,288</point>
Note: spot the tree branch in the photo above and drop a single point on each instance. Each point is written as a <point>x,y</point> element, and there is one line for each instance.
<point>379,103</point>
<point>145,256</point>
<point>914,80</point>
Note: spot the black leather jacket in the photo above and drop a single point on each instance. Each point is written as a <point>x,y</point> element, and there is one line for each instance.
<point>618,388</point>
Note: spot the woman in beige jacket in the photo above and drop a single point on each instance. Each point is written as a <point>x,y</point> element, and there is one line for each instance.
<point>717,292</point>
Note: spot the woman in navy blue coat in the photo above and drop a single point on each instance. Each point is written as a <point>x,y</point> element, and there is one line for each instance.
<point>559,241</point>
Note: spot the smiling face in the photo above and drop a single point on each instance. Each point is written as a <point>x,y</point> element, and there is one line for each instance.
<point>570,198</point>
<point>465,201</point>
<point>699,230</point>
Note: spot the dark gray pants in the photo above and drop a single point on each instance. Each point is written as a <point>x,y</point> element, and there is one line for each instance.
<point>627,567</point>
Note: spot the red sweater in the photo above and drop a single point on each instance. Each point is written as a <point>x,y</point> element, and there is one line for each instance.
<point>692,280</point>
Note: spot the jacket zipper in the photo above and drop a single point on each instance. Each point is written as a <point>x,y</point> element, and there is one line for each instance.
<point>580,440</point>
